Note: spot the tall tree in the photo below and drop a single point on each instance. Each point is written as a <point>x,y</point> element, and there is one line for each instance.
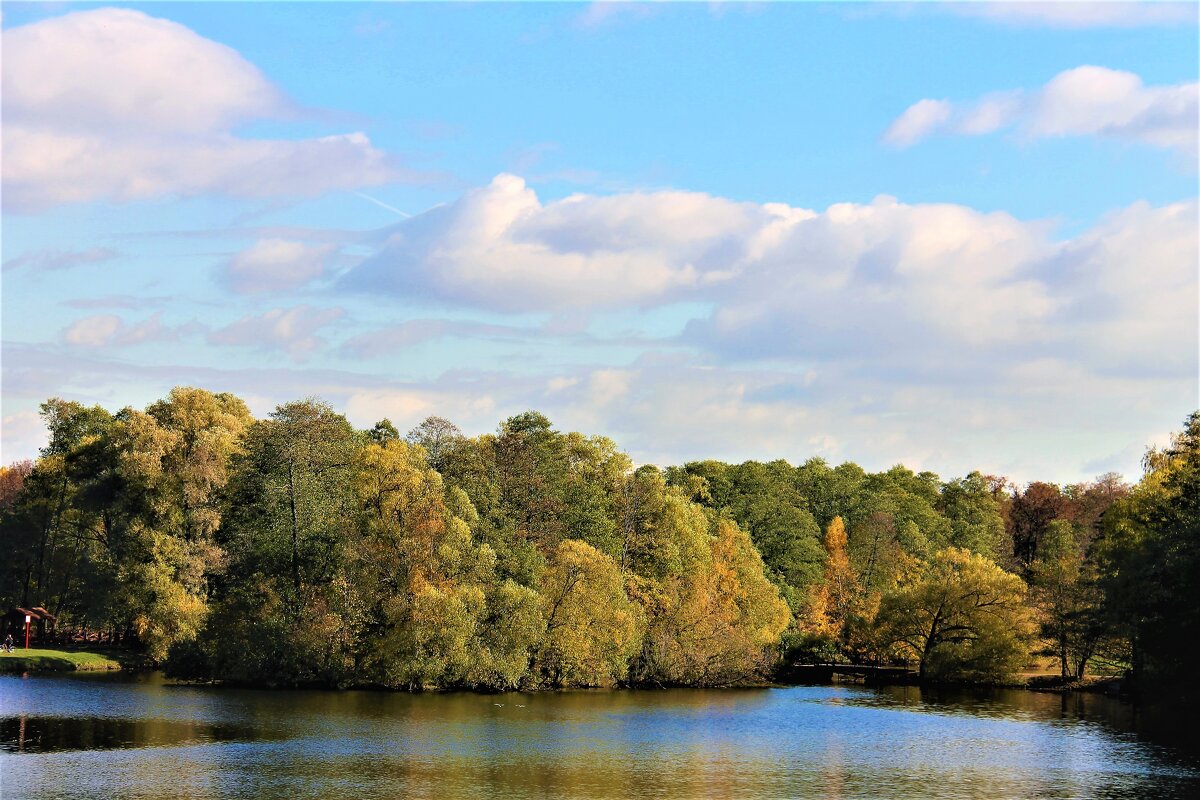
<point>1067,598</point>
<point>1150,557</point>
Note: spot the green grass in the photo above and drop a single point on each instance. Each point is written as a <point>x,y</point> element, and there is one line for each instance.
<point>35,660</point>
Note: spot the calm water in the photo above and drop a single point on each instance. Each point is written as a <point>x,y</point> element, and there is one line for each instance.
<point>117,737</point>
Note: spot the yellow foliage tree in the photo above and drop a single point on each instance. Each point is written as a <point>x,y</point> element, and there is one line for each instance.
<point>717,622</point>
<point>834,600</point>
<point>962,618</point>
<point>592,629</point>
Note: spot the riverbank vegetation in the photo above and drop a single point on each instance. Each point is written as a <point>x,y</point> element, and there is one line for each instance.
<point>297,550</point>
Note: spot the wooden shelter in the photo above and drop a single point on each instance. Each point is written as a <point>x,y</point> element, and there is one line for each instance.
<point>41,624</point>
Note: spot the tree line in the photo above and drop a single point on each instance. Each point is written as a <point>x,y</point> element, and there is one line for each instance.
<point>298,550</point>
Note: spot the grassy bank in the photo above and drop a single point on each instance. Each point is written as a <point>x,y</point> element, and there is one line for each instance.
<point>36,660</point>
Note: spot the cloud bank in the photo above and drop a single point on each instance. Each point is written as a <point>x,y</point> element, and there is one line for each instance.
<point>1085,101</point>
<point>885,280</point>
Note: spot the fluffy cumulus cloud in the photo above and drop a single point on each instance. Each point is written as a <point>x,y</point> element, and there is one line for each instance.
<point>500,247</point>
<point>292,330</point>
<point>881,279</point>
<point>272,265</point>
<point>924,291</point>
<point>115,104</point>
<point>1085,101</point>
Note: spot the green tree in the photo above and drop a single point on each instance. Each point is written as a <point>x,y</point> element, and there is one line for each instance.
<point>292,509</point>
<point>974,515</point>
<point>1150,557</point>
<point>1068,600</point>
<point>962,618</point>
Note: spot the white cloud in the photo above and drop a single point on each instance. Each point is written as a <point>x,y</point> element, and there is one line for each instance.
<point>887,277</point>
<point>921,291</point>
<point>24,434</point>
<point>105,330</point>
<point>918,121</point>
<point>600,13</point>
<point>933,334</point>
<point>293,330</point>
<point>905,304</point>
<point>1084,101</point>
<point>94,331</point>
<point>1129,289</point>
<point>1081,14</point>
<point>499,247</point>
<point>272,265</point>
<point>114,104</point>
<point>1042,418</point>
<point>939,267</point>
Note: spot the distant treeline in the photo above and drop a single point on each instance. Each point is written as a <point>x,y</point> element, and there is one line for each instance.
<point>297,550</point>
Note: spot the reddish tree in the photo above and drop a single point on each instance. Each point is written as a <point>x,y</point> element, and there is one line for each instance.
<point>12,479</point>
<point>1031,513</point>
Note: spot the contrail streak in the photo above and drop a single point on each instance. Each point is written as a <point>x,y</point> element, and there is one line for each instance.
<point>382,204</point>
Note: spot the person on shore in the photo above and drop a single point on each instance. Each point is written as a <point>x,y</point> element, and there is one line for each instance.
<point>8,643</point>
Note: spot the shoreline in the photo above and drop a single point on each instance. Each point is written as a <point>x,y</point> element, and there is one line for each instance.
<point>40,662</point>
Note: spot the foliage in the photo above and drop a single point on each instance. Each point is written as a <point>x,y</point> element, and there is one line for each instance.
<point>297,550</point>
<point>1150,557</point>
<point>962,618</point>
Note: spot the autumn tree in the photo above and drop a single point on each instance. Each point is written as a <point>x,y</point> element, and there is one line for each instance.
<point>436,435</point>
<point>1030,515</point>
<point>961,618</point>
<point>592,629</point>
<point>713,616</point>
<point>285,607</point>
<point>836,596</point>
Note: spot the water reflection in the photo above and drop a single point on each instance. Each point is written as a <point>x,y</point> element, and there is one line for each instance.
<point>82,738</point>
<point>26,734</point>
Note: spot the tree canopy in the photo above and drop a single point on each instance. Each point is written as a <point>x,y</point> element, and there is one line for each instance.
<point>299,550</point>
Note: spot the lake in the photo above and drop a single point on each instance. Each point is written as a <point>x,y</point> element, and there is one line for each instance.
<point>141,737</point>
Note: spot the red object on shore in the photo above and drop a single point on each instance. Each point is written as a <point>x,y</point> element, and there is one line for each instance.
<point>26,631</point>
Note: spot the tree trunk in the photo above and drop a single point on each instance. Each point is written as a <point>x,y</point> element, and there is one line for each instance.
<point>295,531</point>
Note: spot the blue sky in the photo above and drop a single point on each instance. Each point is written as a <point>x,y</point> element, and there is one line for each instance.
<point>953,236</point>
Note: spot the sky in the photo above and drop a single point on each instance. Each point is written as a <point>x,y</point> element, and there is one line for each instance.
<point>955,237</point>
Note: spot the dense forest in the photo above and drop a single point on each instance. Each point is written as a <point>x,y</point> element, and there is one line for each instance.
<point>297,550</point>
